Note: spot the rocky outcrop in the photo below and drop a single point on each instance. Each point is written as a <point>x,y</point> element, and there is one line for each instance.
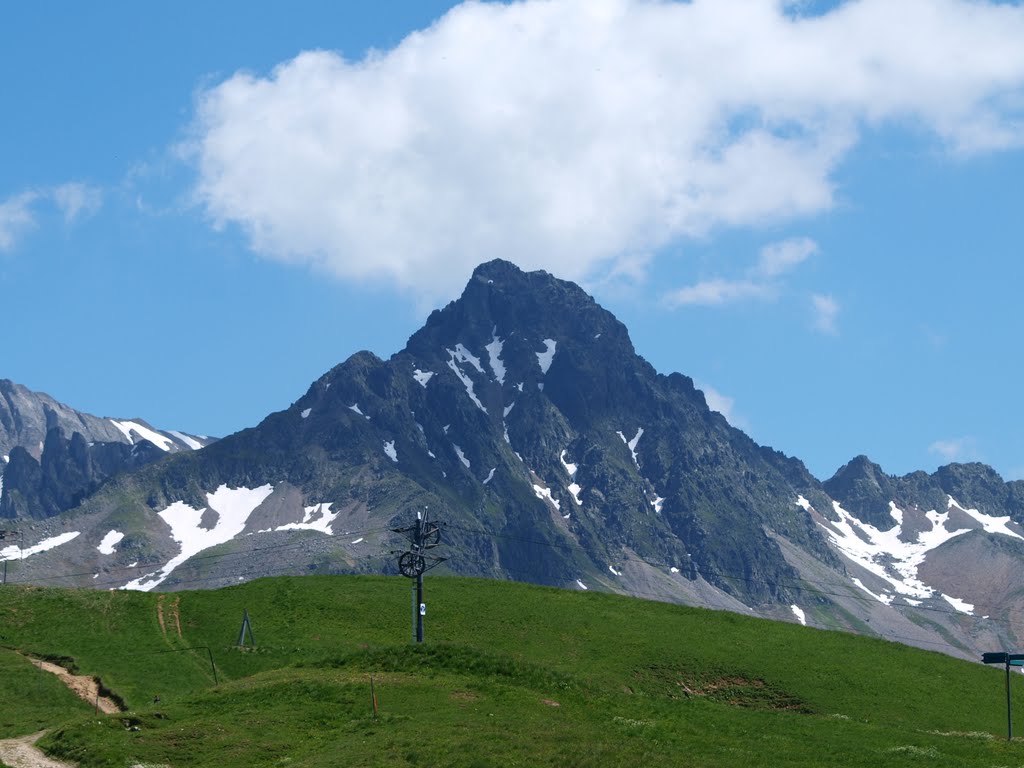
<point>67,472</point>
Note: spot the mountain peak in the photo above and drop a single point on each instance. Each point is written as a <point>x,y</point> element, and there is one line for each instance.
<point>501,302</point>
<point>864,489</point>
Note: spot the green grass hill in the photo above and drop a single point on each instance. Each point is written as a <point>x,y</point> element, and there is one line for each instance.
<point>510,674</point>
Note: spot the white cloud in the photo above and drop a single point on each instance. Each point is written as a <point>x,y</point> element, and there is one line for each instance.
<point>567,134</point>
<point>16,218</point>
<point>717,292</point>
<point>19,213</point>
<point>779,258</point>
<point>761,281</point>
<point>954,449</point>
<point>826,310</point>
<point>75,199</point>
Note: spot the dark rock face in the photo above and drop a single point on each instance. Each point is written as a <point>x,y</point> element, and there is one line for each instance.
<point>68,471</point>
<point>522,415</point>
<point>865,490</point>
<point>26,417</point>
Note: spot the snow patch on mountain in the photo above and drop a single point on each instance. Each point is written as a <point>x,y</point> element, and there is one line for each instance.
<point>109,543</point>
<point>461,455</point>
<point>658,503</point>
<point>576,490</point>
<point>960,605</point>
<point>990,524</point>
<point>631,444</point>
<point>389,449</point>
<point>14,552</point>
<point>494,355</point>
<point>305,413</point>
<point>799,613</point>
<point>544,494</point>
<point>195,445</point>
<point>490,476</point>
<point>233,507</point>
<point>464,378</point>
<point>884,599</point>
<point>569,466</point>
<point>463,355</point>
<point>162,442</point>
<point>544,358</point>
<point>316,518</point>
<point>886,555</point>
<point>422,377</point>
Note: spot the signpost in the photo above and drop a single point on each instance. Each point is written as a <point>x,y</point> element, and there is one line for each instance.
<point>1009,660</point>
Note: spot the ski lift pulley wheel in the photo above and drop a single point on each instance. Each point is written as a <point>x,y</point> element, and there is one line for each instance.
<point>411,565</point>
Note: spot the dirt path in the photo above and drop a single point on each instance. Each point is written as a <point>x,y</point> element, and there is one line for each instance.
<point>23,753</point>
<point>173,613</point>
<point>83,686</point>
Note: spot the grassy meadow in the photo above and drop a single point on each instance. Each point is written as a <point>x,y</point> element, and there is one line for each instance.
<point>510,674</point>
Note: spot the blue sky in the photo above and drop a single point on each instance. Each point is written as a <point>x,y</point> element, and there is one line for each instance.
<point>811,211</point>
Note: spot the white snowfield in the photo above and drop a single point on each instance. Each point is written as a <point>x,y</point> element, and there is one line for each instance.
<point>494,356</point>
<point>461,455</point>
<point>391,451</point>
<point>886,555</point>
<point>233,507</point>
<point>162,442</point>
<point>422,377</point>
<point>461,355</point>
<point>316,518</point>
<point>490,476</point>
<point>546,357</point>
<point>658,503</point>
<point>631,444</point>
<point>582,585</point>
<point>569,466</point>
<point>195,445</point>
<point>13,552</point>
<point>305,413</point>
<point>544,494</point>
<point>110,542</point>
<point>799,613</point>
<point>576,490</point>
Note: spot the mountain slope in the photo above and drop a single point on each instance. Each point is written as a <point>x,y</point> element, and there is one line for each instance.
<point>27,416</point>
<point>55,456</point>
<point>521,418</point>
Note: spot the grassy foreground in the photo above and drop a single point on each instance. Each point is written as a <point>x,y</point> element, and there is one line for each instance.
<point>510,675</point>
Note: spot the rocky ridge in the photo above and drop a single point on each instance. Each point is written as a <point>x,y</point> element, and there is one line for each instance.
<point>521,417</point>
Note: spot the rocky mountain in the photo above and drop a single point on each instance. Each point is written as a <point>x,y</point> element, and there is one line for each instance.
<point>521,418</point>
<point>27,416</point>
<point>55,456</point>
